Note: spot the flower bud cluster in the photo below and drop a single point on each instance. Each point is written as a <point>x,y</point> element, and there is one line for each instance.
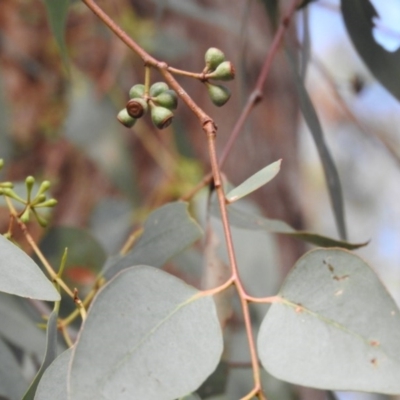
<point>161,100</point>
<point>217,68</point>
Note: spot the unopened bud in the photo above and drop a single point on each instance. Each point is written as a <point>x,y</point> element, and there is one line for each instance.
<point>136,107</point>
<point>125,118</point>
<point>219,94</point>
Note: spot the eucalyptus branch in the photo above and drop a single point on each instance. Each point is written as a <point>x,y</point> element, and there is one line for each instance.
<point>210,130</point>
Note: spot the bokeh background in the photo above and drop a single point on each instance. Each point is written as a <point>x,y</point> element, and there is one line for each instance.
<point>60,124</point>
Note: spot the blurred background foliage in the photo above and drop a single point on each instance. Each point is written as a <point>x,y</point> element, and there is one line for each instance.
<point>61,125</point>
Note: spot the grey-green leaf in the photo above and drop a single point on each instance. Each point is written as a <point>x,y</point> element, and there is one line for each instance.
<point>358,18</point>
<point>12,382</point>
<point>53,384</point>
<point>333,326</point>
<point>18,327</point>
<point>246,220</point>
<point>253,183</point>
<point>57,12</point>
<point>20,275</point>
<point>330,171</point>
<point>50,355</point>
<point>159,340</point>
<point>167,231</point>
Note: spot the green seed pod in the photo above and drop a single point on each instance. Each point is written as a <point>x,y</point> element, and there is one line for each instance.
<point>157,88</point>
<point>213,58</point>
<point>42,222</point>
<point>219,94</point>
<point>38,199</point>
<point>48,203</point>
<point>44,186</point>
<point>136,91</point>
<point>224,72</point>
<point>125,118</point>
<point>167,99</point>
<point>136,107</point>
<point>25,216</point>
<point>161,117</point>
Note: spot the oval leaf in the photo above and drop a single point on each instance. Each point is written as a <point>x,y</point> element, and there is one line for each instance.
<point>21,276</point>
<point>334,326</point>
<point>167,231</point>
<point>147,335</point>
<point>53,384</point>
<point>253,183</point>
<point>12,382</point>
<point>19,327</point>
<point>358,18</point>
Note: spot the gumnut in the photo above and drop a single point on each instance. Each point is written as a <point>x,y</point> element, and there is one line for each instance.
<point>136,91</point>
<point>167,99</point>
<point>25,216</point>
<point>161,116</point>
<point>219,94</point>
<point>213,58</point>
<point>158,88</point>
<point>136,107</point>
<point>125,118</point>
<point>224,72</point>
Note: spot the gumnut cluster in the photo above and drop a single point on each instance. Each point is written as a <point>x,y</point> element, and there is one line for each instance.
<point>160,100</point>
<point>217,68</point>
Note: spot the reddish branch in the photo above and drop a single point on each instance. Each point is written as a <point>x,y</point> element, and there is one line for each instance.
<point>209,128</point>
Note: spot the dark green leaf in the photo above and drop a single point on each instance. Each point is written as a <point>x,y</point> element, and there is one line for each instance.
<point>57,12</point>
<point>53,384</point>
<point>358,18</point>
<point>159,339</point>
<point>50,355</point>
<point>12,382</point>
<point>331,174</point>
<point>333,326</point>
<point>253,183</point>
<point>167,231</point>
<point>19,274</point>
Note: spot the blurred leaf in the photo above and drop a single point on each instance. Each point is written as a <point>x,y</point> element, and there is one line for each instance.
<point>246,220</point>
<point>18,327</point>
<point>216,382</point>
<point>159,339</point>
<point>331,174</point>
<point>57,12</point>
<point>167,231</point>
<point>272,9</point>
<point>53,384</point>
<point>111,222</point>
<point>50,355</point>
<point>334,326</point>
<point>21,276</point>
<point>253,183</point>
<point>305,3</point>
<point>85,255</point>
<point>358,18</point>
<point>12,382</point>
